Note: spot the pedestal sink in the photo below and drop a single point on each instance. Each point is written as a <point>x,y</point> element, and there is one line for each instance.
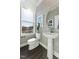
<point>51,37</point>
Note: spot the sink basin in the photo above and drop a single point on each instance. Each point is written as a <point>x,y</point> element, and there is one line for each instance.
<point>50,35</point>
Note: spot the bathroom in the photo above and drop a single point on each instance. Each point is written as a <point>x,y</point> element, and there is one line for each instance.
<point>39,29</point>
<point>39,26</point>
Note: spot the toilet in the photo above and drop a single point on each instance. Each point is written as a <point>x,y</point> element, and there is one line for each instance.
<point>33,42</point>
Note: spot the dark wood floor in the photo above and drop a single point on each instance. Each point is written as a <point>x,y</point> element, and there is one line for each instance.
<point>37,53</point>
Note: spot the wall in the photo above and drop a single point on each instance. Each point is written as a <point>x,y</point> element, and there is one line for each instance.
<point>43,9</point>
<point>23,40</point>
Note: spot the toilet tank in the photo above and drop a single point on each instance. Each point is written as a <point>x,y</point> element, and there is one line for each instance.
<point>38,35</point>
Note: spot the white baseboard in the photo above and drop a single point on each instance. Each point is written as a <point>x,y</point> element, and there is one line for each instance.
<point>55,53</point>
<point>22,45</point>
<point>43,45</point>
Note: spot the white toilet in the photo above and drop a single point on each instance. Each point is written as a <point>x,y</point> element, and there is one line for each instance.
<point>33,42</point>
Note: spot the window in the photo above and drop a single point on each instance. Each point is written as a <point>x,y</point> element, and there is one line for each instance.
<point>26,20</point>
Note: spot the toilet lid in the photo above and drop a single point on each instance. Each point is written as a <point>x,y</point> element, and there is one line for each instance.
<point>31,40</point>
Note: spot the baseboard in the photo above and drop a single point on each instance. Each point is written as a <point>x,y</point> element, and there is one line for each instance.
<point>43,45</point>
<point>55,53</point>
<point>22,45</point>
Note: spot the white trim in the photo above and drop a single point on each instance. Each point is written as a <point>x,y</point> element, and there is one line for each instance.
<point>22,45</point>
<point>55,53</point>
<point>43,45</point>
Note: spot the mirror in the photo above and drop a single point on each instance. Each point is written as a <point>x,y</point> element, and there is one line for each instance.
<point>39,23</point>
<point>53,20</point>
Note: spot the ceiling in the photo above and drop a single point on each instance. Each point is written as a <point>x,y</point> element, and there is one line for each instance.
<point>33,4</point>
<point>48,4</point>
<point>30,4</point>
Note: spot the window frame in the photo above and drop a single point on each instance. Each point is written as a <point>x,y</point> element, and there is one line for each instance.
<point>32,22</point>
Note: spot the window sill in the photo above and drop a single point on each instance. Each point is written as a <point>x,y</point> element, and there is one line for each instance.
<point>26,34</point>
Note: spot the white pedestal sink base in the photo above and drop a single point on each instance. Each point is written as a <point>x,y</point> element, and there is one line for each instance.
<point>50,49</point>
<point>51,37</point>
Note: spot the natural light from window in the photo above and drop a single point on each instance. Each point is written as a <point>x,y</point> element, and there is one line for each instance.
<point>27,20</point>
<point>26,17</point>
